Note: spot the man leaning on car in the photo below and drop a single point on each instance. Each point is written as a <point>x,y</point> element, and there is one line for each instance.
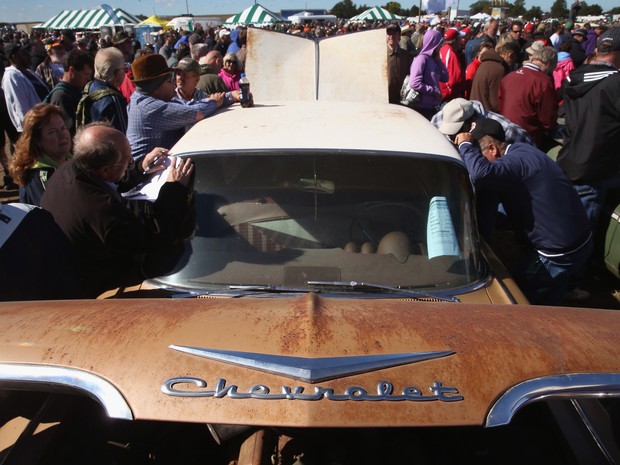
<point>117,247</point>
<point>539,201</point>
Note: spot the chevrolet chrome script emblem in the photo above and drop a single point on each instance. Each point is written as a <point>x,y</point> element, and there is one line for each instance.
<point>312,370</point>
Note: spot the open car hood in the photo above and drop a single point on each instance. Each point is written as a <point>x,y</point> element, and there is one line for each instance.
<point>308,360</point>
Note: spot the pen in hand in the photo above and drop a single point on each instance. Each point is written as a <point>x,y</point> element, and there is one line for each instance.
<point>151,165</point>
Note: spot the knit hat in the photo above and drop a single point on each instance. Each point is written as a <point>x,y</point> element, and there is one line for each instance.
<point>609,41</point>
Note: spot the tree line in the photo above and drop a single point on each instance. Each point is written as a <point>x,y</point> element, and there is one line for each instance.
<point>559,9</point>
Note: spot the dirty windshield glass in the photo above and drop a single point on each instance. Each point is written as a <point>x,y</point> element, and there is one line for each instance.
<point>285,220</point>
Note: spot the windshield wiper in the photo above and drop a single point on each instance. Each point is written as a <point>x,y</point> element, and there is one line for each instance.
<point>269,288</point>
<point>361,286</point>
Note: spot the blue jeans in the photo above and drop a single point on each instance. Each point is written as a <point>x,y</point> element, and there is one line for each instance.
<point>544,280</point>
<point>593,197</point>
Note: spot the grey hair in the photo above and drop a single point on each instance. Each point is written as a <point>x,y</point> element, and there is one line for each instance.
<point>107,61</point>
<point>546,55</point>
<point>488,23</point>
<point>200,50</point>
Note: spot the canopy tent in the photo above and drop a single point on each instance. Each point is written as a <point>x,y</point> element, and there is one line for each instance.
<point>480,16</point>
<point>89,19</point>
<point>376,13</point>
<point>256,15</point>
<point>155,21</point>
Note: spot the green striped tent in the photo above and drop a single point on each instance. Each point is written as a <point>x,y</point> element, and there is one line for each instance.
<point>256,15</point>
<point>89,19</point>
<point>376,14</point>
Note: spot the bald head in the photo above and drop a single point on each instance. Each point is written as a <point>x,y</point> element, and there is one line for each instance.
<point>98,145</point>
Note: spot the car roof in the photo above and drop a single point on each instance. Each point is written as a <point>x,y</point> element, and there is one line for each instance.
<point>316,125</point>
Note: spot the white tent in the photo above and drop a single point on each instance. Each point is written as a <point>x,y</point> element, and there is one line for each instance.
<point>480,16</point>
<point>90,19</point>
<point>256,15</point>
<point>376,13</point>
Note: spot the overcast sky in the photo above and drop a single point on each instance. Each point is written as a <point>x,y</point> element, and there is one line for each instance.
<point>42,10</point>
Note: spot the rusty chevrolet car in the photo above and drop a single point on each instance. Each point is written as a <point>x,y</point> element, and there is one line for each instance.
<point>335,306</point>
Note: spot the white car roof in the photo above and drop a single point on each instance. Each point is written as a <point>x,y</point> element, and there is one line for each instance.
<point>318,125</point>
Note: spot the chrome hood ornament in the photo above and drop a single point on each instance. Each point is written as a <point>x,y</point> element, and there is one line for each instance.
<point>311,370</point>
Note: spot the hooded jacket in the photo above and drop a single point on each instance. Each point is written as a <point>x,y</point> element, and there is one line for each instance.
<point>428,71</point>
<point>485,85</point>
<point>592,114</point>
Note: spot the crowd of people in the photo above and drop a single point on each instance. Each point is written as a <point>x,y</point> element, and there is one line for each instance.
<point>90,117</point>
<point>498,94</point>
<point>89,121</point>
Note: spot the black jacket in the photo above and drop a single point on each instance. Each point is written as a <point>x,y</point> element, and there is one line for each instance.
<point>116,247</point>
<point>592,113</point>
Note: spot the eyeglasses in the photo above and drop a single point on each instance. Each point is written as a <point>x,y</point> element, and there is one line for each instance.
<point>517,32</point>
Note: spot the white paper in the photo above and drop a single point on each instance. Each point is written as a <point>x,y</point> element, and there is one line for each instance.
<point>440,235</point>
<point>150,189</point>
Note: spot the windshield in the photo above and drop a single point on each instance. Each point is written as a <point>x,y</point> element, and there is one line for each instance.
<point>287,219</point>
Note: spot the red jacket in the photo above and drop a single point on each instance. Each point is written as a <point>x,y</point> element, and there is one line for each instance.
<point>455,87</point>
<point>527,97</point>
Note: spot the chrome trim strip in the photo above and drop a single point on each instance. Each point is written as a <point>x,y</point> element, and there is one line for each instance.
<point>311,370</point>
<point>579,385</point>
<point>94,386</point>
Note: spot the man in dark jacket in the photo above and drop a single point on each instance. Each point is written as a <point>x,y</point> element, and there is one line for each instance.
<point>527,97</point>
<point>399,62</point>
<point>589,156</point>
<point>539,201</point>
<point>494,65</point>
<point>78,66</point>
<point>115,246</point>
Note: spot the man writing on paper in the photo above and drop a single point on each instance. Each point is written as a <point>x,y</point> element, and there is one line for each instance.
<point>117,247</point>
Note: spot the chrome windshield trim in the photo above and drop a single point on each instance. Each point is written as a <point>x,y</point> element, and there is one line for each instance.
<point>579,385</point>
<point>25,375</point>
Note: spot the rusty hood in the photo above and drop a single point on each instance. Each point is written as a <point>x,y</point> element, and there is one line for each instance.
<point>307,360</point>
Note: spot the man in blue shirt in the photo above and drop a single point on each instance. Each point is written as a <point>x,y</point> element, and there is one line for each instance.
<point>541,204</point>
<point>156,117</point>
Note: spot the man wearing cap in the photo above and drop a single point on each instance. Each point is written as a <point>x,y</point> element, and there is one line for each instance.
<point>527,97</point>
<point>405,40</point>
<point>223,41</point>
<point>451,56</point>
<point>51,70</point>
<point>110,69</point>
<point>459,114</point>
<point>539,201</point>
<point>156,118</point>
<point>23,89</point>
<point>187,75</point>
<point>589,156</point>
<point>122,41</point>
<point>399,62</point>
